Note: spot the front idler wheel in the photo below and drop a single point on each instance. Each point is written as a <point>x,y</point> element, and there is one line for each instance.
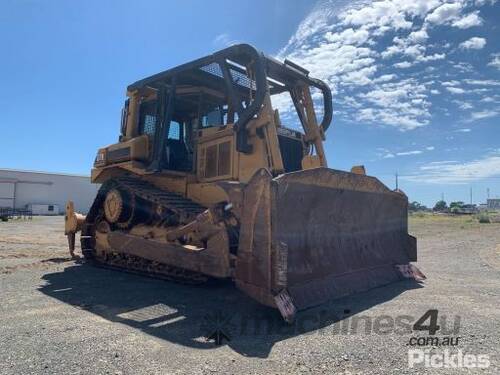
<point>119,207</point>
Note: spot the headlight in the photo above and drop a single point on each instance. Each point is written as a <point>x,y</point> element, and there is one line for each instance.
<point>100,158</point>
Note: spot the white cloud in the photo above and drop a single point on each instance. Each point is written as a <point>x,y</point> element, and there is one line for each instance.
<point>479,91</point>
<point>402,104</point>
<point>462,104</point>
<point>440,162</point>
<point>359,77</point>
<point>387,154</point>
<point>414,50</point>
<point>473,43</point>
<point>352,102</point>
<point>406,153</point>
<point>391,51</point>
<point>339,42</point>
<point>348,36</point>
<point>457,172</point>
<point>491,99</point>
<point>418,36</point>
<point>455,90</point>
<point>318,21</point>
<point>464,130</point>
<point>481,115</point>
<point>284,104</point>
<point>329,61</point>
<point>224,40</point>
<point>470,20</point>
<point>445,14</point>
<point>403,64</point>
<point>450,83</point>
<point>482,82</point>
<point>385,78</point>
<point>376,15</point>
<point>341,55</point>
<point>464,67</point>
<point>436,56</point>
<point>409,47</point>
<point>480,3</point>
<point>495,62</point>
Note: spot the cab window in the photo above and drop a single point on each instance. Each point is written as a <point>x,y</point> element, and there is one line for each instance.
<point>213,118</point>
<point>147,118</point>
<point>174,131</point>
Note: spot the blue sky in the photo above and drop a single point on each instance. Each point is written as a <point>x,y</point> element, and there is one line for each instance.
<point>416,82</point>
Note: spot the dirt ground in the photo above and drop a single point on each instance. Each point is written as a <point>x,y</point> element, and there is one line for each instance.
<point>61,316</point>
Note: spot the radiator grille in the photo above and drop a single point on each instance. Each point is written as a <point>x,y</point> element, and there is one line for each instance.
<point>118,155</point>
<point>224,164</point>
<point>211,161</point>
<point>216,160</point>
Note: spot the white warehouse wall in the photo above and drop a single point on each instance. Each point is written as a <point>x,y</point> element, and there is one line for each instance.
<point>19,188</point>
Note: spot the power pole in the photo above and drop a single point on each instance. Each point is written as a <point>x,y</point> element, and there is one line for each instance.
<point>397,182</point>
<point>471,195</point>
<point>442,196</point>
<point>487,193</point>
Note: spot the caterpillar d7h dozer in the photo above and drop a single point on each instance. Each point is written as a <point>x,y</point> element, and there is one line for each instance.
<point>205,181</point>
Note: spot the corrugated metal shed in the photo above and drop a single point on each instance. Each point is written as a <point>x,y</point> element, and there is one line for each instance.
<point>19,188</point>
<point>493,204</point>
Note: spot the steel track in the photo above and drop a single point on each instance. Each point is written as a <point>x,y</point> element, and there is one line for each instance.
<point>184,208</point>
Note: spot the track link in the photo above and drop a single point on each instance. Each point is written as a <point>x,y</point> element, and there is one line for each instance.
<point>143,267</point>
<point>185,208</point>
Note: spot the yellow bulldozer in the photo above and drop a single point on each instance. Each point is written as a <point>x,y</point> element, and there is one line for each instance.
<point>206,182</point>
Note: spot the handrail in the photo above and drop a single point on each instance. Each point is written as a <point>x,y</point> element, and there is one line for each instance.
<point>263,67</point>
<point>327,103</point>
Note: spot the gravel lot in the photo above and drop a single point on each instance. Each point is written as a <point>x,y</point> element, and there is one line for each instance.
<point>61,316</point>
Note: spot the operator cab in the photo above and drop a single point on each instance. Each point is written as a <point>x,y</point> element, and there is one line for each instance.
<point>178,149</point>
<point>173,118</point>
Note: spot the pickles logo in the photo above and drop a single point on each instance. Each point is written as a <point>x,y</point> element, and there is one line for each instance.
<point>431,357</point>
<point>446,359</point>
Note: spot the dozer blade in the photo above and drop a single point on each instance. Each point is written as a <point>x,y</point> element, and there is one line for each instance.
<point>318,234</point>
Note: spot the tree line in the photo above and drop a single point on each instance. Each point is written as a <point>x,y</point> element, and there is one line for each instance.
<point>440,206</point>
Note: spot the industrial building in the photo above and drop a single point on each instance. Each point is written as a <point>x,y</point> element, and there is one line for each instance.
<point>45,193</point>
<point>493,204</point>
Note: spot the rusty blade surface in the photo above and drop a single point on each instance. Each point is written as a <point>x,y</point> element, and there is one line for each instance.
<point>410,271</point>
<point>320,234</point>
<point>342,233</point>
